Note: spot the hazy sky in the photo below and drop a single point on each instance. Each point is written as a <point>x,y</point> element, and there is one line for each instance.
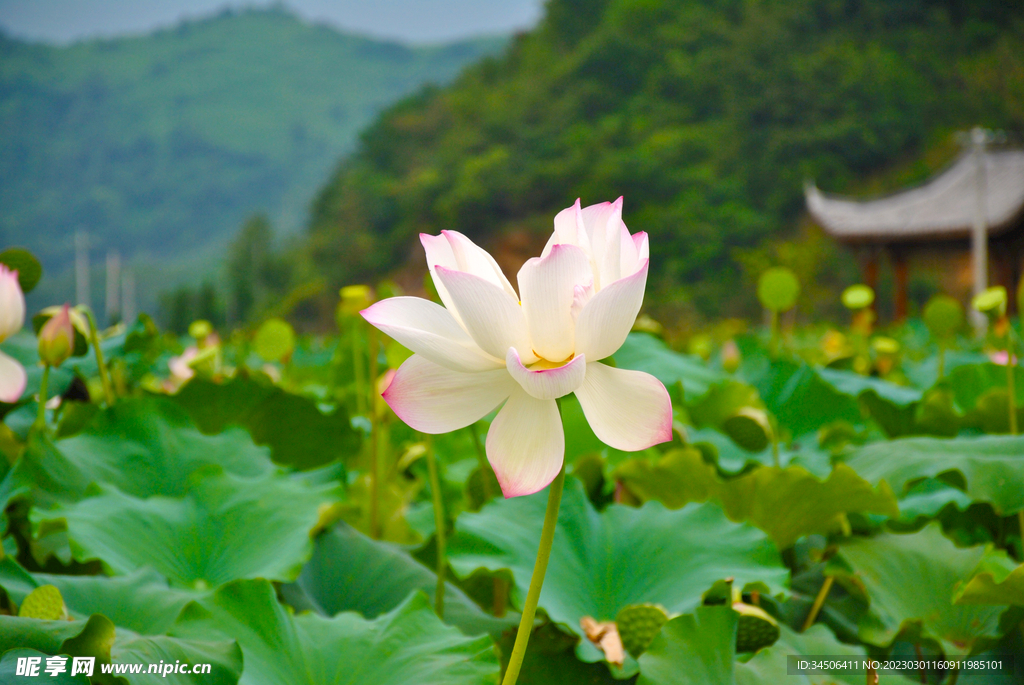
<point>417,21</point>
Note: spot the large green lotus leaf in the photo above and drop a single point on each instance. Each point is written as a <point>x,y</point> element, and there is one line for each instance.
<point>296,431</point>
<point>722,401</point>
<point>855,385</point>
<point>350,572</point>
<point>225,527</point>
<point>699,648</point>
<point>140,601</point>
<point>603,561</point>
<point>9,668</point>
<point>998,582</point>
<point>910,581</point>
<point>149,446</point>
<point>224,657</point>
<point>769,667</point>
<point>407,645</point>
<point>801,400</point>
<point>971,381</point>
<point>786,503</point>
<point>644,352</point>
<point>43,474</point>
<point>142,607</point>
<point>91,637</point>
<point>990,468</point>
<point>693,649</point>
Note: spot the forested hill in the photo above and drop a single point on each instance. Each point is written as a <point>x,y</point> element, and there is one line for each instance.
<point>707,116</point>
<point>163,143</point>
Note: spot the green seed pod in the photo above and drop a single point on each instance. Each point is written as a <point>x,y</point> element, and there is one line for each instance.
<point>638,624</point>
<point>858,297</point>
<point>943,315</point>
<point>756,628</point>
<point>778,289</point>
<point>44,602</point>
<point>749,428</point>
<point>992,302</point>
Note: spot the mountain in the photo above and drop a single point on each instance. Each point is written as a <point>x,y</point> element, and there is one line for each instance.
<point>707,116</point>
<point>162,145</point>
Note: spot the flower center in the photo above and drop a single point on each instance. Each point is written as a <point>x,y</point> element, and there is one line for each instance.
<point>544,364</point>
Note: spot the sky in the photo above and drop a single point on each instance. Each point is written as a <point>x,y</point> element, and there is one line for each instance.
<point>410,21</point>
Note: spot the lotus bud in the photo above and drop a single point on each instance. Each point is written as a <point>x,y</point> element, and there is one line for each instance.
<point>12,303</point>
<point>57,338</point>
<point>731,356</point>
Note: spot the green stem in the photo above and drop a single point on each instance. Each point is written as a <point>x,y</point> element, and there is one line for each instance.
<point>482,458</point>
<point>374,441</point>
<point>775,334</point>
<point>1009,385</point>
<point>439,525</point>
<point>547,536</point>
<point>41,416</point>
<point>357,365</point>
<point>942,360</point>
<point>108,390</point>
<point>819,602</point>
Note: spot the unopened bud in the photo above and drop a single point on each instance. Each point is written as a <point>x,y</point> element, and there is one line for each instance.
<point>57,338</point>
<point>12,303</point>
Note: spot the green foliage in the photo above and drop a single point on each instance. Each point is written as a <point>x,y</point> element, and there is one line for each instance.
<point>406,645</point>
<point>707,117</point>
<point>24,262</point>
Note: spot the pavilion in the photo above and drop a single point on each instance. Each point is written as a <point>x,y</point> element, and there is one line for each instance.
<point>973,210</point>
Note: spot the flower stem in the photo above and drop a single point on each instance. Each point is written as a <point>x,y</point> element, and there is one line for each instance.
<point>108,390</point>
<point>819,601</point>
<point>547,536</point>
<point>482,458</point>
<point>41,416</point>
<point>374,440</point>
<point>1009,384</point>
<point>439,524</point>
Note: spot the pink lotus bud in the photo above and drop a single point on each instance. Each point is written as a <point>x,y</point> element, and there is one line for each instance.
<point>731,356</point>
<point>57,338</point>
<point>12,303</point>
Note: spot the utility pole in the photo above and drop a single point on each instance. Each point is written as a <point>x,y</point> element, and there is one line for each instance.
<point>82,267</point>
<point>979,231</point>
<point>113,306</point>
<point>128,313</point>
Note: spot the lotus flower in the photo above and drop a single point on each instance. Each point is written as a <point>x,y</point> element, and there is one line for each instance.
<point>488,345</point>
<point>12,318</point>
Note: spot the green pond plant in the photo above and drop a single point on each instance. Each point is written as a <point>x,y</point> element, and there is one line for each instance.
<point>992,303</point>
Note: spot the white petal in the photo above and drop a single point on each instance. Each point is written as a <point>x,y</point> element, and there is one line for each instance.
<point>629,258</point>
<point>525,444</point>
<point>569,229</point>
<point>603,224</point>
<point>430,330</point>
<point>643,248</point>
<point>439,253</point>
<point>546,384</point>
<point>607,319</point>
<point>629,410</point>
<point>547,285</point>
<point>472,259</point>
<point>12,379</point>
<point>493,317</point>
<point>12,303</point>
<point>433,399</point>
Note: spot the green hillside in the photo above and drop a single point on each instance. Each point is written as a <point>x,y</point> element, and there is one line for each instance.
<point>707,116</point>
<point>163,144</point>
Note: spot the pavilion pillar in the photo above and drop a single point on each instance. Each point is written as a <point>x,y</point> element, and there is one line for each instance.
<point>869,268</point>
<point>979,227</point>
<point>900,289</point>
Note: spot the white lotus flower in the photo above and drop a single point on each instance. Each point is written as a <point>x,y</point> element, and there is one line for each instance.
<point>488,345</point>
<point>12,318</point>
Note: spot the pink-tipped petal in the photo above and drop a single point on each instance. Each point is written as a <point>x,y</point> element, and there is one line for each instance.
<point>643,248</point>
<point>12,379</point>
<point>473,259</point>
<point>569,227</point>
<point>629,258</point>
<point>629,410</point>
<point>546,384</point>
<point>12,303</point>
<point>603,222</point>
<point>439,253</point>
<point>548,286</point>
<point>433,399</point>
<point>492,317</point>
<point>430,330</point>
<point>608,317</point>
<point>525,444</point>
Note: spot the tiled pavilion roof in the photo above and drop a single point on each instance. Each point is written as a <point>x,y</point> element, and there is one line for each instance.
<point>942,208</point>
